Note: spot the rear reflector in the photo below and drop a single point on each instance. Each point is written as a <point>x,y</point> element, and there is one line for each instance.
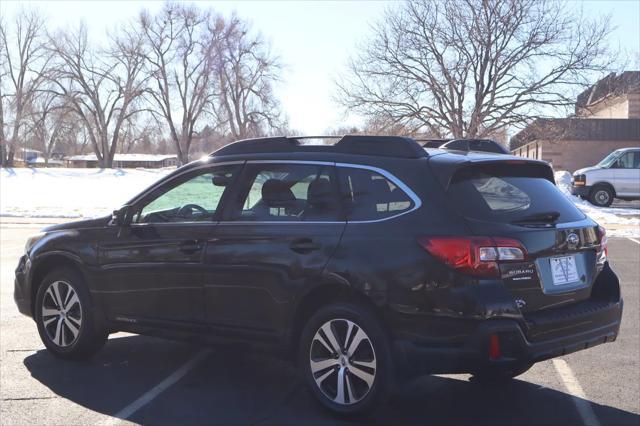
<point>478,256</point>
<point>494,347</point>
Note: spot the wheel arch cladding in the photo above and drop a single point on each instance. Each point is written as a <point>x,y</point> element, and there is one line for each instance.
<point>44,266</point>
<point>322,295</point>
<point>605,184</point>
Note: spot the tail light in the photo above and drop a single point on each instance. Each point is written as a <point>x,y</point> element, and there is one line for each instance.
<point>494,347</point>
<point>478,256</point>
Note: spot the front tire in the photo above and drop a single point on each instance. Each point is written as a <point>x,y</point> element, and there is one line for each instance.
<point>64,316</point>
<point>601,196</point>
<point>344,358</point>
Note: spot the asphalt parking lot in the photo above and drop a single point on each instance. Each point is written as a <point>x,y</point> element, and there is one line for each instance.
<point>144,380</point>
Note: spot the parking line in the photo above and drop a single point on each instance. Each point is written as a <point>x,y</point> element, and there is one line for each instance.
<point>634,240</point>
<point>150,395</point>
<point>579,398</point>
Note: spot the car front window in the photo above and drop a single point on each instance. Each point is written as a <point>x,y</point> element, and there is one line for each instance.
<point>607,161</point>
<point>195,199</point>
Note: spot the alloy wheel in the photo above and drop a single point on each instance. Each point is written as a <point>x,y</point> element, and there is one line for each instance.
<point>61,313</point>
<point>342,361</point>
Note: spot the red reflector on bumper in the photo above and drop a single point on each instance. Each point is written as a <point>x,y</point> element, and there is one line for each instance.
<point>494,347</point>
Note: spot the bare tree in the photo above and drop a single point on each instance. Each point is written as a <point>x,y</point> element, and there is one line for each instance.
<point>182,58</point>
<point>102,86</point>
<point>136,132</point>
<point>50,121</point>
<point>475,67</point>
<point>23,62</point>
<point>248,71</point>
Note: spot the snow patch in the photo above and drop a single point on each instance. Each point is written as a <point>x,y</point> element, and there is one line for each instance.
<point>71,193</point>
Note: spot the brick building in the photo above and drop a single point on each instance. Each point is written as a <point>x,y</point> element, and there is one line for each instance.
<point>607,117</point>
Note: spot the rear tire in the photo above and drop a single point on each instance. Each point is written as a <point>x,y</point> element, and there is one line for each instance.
<point>601,196</point>
<point>64,315</point>
<point>349,351</point>
<point>496,377</point>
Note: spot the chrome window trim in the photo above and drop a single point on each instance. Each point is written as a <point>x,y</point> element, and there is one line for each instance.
<point>303,162</point>
<point>143,224</point>
<point>278,222</point>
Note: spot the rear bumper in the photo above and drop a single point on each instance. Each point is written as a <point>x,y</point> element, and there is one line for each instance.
<point>582,191</point>
<point>586,325</point>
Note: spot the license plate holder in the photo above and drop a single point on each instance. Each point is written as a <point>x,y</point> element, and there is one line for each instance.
<point>564,270</point>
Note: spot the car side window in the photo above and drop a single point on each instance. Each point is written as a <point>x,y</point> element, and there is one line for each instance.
<point>625,161</point>
<point>287,193</point>
<point>194,199</point>
<point>629,160</point>
<point>368,195</point>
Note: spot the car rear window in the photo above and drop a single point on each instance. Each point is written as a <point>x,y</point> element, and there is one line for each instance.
<point>505,195</point>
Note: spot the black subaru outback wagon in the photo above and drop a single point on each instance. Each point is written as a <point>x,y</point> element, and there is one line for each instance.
<point>371,260</point>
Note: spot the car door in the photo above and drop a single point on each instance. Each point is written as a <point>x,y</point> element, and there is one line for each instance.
<point>279,230</point>
<point>151,271</point>
<point>627,174</point>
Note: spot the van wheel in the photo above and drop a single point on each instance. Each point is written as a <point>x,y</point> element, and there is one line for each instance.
<point>65,318</point>
<point>495,376</point>
<point>601,196</point>
<point>344,358</point>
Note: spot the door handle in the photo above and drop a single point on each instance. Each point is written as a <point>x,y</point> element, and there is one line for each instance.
<point>304,245</point>
<point>191,246</point>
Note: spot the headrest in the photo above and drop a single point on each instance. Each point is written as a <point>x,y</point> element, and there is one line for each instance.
<point>319,192</point>
<point>276,193</point>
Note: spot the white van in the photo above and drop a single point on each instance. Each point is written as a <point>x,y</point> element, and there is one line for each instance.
<point>616,176</point>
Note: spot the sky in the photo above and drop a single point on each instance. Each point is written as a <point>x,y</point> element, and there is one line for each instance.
<point>314,39</point>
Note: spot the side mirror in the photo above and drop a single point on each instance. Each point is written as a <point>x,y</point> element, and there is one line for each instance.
<point>119,217</point>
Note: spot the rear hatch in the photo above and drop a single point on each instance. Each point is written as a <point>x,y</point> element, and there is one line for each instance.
<point>518,201</point>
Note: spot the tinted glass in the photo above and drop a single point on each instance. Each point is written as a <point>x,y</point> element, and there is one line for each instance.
<point>288,192</point>
<point>195,200</point>
<point>500,197</point>
<point>370,196</point>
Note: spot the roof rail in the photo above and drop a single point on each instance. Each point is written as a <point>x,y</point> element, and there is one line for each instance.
<point>392,146</point>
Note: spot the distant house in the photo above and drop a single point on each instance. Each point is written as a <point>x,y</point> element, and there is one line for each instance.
<point>124,161</point>
<point>607,117</point>
<point>34,158</point>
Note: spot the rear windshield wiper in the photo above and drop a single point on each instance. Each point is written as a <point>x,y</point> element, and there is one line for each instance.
<point>545,217</point>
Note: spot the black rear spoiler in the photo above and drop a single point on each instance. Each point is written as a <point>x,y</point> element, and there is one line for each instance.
<point>445,172</point>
